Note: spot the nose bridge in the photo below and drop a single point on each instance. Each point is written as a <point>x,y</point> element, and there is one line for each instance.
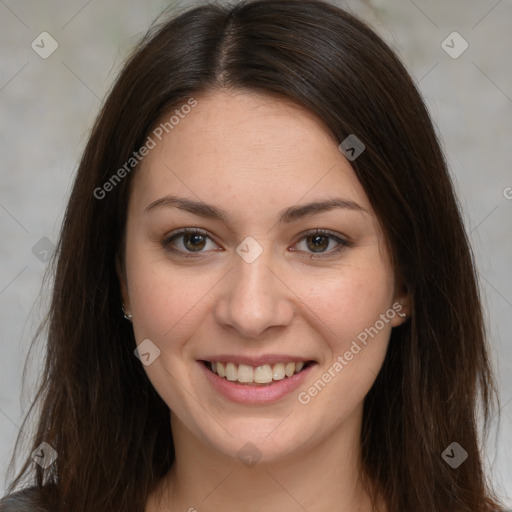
<point>254,298</point>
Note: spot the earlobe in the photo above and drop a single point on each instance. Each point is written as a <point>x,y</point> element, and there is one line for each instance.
<point>401,306</point>
<point>401,313</point>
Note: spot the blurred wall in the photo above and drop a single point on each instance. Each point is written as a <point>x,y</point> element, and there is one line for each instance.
<point>49,100</point>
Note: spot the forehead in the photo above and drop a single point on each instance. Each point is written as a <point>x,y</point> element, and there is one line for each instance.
<point>248,152</point>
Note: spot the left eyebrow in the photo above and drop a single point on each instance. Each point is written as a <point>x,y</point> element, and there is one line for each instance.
<point>295,213</point>
<point>286,216</point>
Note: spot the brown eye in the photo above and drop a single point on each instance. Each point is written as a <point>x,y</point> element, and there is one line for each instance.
<point>319,241</point>
<point>193,240</point>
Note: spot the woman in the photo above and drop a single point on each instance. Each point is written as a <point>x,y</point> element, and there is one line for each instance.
<point>264,293</point>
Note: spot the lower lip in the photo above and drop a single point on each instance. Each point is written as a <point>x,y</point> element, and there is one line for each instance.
<point>247,394</point>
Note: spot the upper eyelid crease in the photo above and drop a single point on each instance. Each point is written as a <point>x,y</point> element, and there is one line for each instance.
<point>286,216</point>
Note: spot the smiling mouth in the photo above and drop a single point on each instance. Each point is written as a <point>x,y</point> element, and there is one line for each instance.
<point>264,375</point>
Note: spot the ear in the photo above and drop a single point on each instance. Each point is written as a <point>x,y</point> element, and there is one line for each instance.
<point>401,304</point>
<point>123,285</point>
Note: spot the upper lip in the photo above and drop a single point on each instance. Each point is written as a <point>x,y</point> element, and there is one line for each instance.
<point>256,361</point>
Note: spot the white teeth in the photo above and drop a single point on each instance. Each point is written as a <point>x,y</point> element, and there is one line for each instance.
<point>231,372</point>
<point>263,374</point>
<point>245,373</point>
<point>278,371</point>
<point>221,370</point>
<point>289,369</point>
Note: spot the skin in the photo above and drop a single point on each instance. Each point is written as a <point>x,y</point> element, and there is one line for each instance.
<point>254,155</point>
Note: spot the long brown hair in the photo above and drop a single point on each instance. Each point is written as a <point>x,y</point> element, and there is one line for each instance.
<point>98,409</point>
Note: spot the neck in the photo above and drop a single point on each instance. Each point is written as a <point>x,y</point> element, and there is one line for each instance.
<point>321,478</point>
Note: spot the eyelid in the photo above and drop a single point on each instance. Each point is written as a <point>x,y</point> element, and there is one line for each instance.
<point>182,231</point>
<point>342,241</point>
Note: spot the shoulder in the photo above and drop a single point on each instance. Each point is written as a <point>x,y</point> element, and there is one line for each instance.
<point>25,500</point>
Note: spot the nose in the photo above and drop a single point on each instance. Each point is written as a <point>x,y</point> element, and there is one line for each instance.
<point>254,298</point>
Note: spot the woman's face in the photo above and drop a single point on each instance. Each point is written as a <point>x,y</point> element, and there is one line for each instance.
<point>251,284</point>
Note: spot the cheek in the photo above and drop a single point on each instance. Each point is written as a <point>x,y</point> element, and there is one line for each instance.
<point>166,303</point>
<point>164,299</point>
<point>350,299</point>
<point>350,308</point>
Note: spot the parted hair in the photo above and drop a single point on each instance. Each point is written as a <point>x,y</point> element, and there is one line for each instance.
<point>98,409</point>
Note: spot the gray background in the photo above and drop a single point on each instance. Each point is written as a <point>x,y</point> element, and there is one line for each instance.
<point>48,106</point>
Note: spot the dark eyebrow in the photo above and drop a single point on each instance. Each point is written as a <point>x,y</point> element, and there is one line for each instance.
<point>291,214</point>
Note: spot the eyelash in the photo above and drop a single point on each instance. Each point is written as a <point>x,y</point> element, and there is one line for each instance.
<point>342,244</point>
